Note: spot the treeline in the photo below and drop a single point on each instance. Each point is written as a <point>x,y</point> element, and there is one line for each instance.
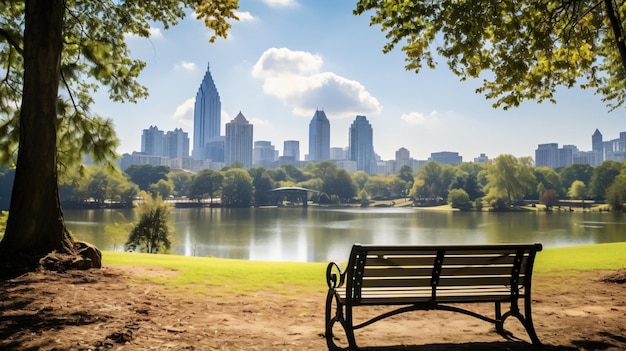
<point>500,183</point>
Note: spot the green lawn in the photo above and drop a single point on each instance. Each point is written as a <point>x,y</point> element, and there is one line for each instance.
<point>245,277</point>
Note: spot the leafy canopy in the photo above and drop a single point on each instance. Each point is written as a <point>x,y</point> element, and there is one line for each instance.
<point>522,49</point>
<point>95,55</point>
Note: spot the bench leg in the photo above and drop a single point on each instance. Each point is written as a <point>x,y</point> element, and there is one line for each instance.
<point>526,320</point>
<point>338,317</point>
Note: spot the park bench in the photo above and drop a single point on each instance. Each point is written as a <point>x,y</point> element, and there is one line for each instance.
<point>432,277</point>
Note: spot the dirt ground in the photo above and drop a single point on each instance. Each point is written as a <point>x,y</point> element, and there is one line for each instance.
<point>114,309</point>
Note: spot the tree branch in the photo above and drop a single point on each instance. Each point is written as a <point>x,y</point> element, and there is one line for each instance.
<point>12,41</point>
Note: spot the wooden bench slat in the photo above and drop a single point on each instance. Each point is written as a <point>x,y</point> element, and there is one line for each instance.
<point>429,260</point>
<point>443,281</point>
<point>384,271</point>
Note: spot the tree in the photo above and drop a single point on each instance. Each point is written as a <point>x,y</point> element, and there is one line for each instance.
<point>616,193</point>
<point>602,178</point>
<point>576,171</point>
<point>79,45</point>
<point>578,190</point>
<point>378,187</point>
<point>163,187</point>
<point>360,177</point>
<point>509,177</point>
<point>343,186</point>
<point>181,181</point>
<point>522,49</point>
<point>146,175</point>
<point>406,173</point>
<point>262,185</point>
<point>550,179</point>
<point>458,198</point>
<point>206,184</point>
<point>238,189</point>
<point>434,181</point>
<point>152,233</point>
<point>549,198</point>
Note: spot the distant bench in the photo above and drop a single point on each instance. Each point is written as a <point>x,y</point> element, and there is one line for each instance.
<point>430,278</point>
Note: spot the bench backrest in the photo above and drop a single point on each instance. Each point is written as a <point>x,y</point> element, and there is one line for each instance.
<point>439,268</point>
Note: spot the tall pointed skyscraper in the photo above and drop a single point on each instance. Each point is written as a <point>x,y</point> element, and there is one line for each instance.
<point>319,137</point>
<point>207,118</point>
<point>238,143</point>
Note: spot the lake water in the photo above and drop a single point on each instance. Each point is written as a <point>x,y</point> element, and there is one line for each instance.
<point>319,234</point>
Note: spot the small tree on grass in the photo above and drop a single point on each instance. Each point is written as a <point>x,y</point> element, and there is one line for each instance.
<point>549,198</point>
<point>152,233</point>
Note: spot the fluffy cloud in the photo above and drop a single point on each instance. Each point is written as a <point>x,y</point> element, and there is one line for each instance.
<point>280,3</point>
<point>184,112</point>
<point>244,16</point>
<point>296,78</point>
<point>154,33</point>
<point>418,117</point>
<point>186,66</point>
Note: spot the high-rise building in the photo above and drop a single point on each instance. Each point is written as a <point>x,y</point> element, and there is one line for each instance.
<point>152,142</point>
<point>291,148</point>
<point>547,155</point>
<point>481,159</point>
<point>238,142</point>
<point>177,144</point>
<point>403,154</point>
<point>206,116</point>
<point>362,145</point>
<point>596,141</point>
<point>264,154</point>
<point>446,157</point>
<point>340,153</point>
<point>319,137</point>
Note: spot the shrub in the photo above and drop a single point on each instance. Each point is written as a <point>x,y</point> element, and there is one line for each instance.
<point>152,233</point>
<point>458,198</point>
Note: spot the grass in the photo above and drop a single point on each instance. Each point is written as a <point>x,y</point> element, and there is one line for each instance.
<point>227,275</point>
<point>589,257</point>
<point>222,277</point>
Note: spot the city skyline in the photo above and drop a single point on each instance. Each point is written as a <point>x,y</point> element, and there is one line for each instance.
<point>276,68</point>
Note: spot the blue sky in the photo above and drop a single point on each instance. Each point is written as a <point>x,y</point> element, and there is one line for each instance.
<point>286,58</point>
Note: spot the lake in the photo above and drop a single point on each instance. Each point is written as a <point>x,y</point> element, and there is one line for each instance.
<point>317,234</point>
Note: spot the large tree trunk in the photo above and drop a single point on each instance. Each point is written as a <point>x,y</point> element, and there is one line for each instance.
<point>35,226</point>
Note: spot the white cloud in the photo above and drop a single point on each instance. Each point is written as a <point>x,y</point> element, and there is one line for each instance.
<point>155,33</point>
<point>280,3</point>
<point>296,78</point>
<point>418,117</point>
<point>244,16</point>
<point>184,112</point>
<point>186,66</point>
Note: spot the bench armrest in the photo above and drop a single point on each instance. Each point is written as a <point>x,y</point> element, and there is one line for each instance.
<point>331,276</point>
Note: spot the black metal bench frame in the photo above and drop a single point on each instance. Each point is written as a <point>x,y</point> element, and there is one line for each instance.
<point>431,277</point>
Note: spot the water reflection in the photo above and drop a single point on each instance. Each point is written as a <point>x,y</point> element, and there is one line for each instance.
<point>318,234</point>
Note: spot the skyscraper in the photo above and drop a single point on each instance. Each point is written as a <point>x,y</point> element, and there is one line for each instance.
<point>152,142</point>
<point>206,116</point>
<point>291,148</point>
<point>362,145</point>
<point>238,142</point>
<point>177,144</point>
<point>319,137</point>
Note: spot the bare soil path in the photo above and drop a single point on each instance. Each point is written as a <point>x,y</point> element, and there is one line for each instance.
<point>114,309</point>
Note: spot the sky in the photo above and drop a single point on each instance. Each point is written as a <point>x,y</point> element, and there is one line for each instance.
<point>286,58</point>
